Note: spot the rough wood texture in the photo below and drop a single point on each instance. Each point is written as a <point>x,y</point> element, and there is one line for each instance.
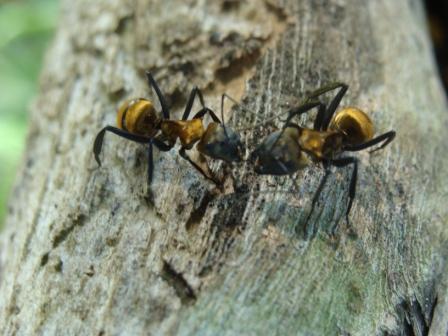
<point>84,252</point>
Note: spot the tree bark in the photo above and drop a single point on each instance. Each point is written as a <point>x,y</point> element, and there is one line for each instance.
<point>85,252</point>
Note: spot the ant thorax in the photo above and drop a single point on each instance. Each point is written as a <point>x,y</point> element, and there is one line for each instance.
<point>138,116</point>
<point>187,131</point>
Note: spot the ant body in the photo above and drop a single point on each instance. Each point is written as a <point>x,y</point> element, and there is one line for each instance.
<point>285,151</point>
<point>139,121</point>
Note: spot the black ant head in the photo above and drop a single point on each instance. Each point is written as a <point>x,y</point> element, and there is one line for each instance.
<point>278,154</point>
<point>222,143</point>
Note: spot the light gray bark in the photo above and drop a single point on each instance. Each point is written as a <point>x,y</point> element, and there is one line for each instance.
<point>84,252</point>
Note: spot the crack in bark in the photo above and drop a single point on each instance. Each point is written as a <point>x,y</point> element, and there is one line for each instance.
<point>64,233</point>
<point>198,213</point>
<point>416,320</point>
<point>177,281</point>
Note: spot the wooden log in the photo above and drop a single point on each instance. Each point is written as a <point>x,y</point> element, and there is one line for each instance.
<point>85,252</point>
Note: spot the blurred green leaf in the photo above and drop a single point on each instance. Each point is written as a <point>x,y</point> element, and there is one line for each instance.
<point>22,17</point>
<point>26,28</point>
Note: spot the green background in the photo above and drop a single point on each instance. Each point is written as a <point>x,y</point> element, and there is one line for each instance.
<point>26,28</point>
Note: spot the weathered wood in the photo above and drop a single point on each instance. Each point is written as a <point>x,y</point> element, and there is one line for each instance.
<point>85,252</point>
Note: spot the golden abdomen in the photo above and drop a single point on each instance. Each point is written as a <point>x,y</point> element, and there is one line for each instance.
<point>138,116</point>
<point>354,124</point>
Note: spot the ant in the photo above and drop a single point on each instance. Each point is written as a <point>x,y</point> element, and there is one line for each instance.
<point>139,121</point>
<point>285,151</point>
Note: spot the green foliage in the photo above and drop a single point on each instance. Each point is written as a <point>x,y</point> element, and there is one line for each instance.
<point>25,30</point>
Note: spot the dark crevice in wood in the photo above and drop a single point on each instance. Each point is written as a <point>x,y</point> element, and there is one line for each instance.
<point>278,11</point>
<point>178,282</point>
<point>228,225</point>
<point>416,319</point>
<point>198,213</point>
<point>64,233</point>
<point>44,259</point>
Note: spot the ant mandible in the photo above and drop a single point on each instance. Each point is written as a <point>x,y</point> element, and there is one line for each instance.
<point>285,151</point>
<point>139,121</point>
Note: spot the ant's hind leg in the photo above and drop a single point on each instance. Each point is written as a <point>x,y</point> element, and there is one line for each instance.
<point>319,118</point>
<point>194,92</point>
<point>315,198</point>
<point>386,138</point>
<point>325,118</point>
<point>150,168</point>
<point>203,111</point>
<point>162,147</point>
<point>296,111</point>
<point>352,188</point>
<point>98,143</point>
<point>152,83</point>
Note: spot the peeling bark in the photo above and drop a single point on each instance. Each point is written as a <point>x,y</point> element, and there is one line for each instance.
<point>84,252</point>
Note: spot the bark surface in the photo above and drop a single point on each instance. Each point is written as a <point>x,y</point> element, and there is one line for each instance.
<point>86,252</point>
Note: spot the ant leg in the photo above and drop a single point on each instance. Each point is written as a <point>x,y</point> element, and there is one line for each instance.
<point>204,111</point>
<point>162,147</point>
<point>386,137</point>
<point>326,117</point>
<point>184,155</point>
<point>194,92</point>
<point>301,110</point>
<point>98,143</point>
<point>292,113</point>
<point>327,88</point>
<point>317,195</point>
<point>150,167</point>
<point>319,118</point>
<point>197,92</point>
<point>212,114</point>
<point>352,189</point>
<point>152,83</point>
<point>333,106</point>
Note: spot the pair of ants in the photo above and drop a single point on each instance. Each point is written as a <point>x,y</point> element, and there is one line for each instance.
<point>282,152</point>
